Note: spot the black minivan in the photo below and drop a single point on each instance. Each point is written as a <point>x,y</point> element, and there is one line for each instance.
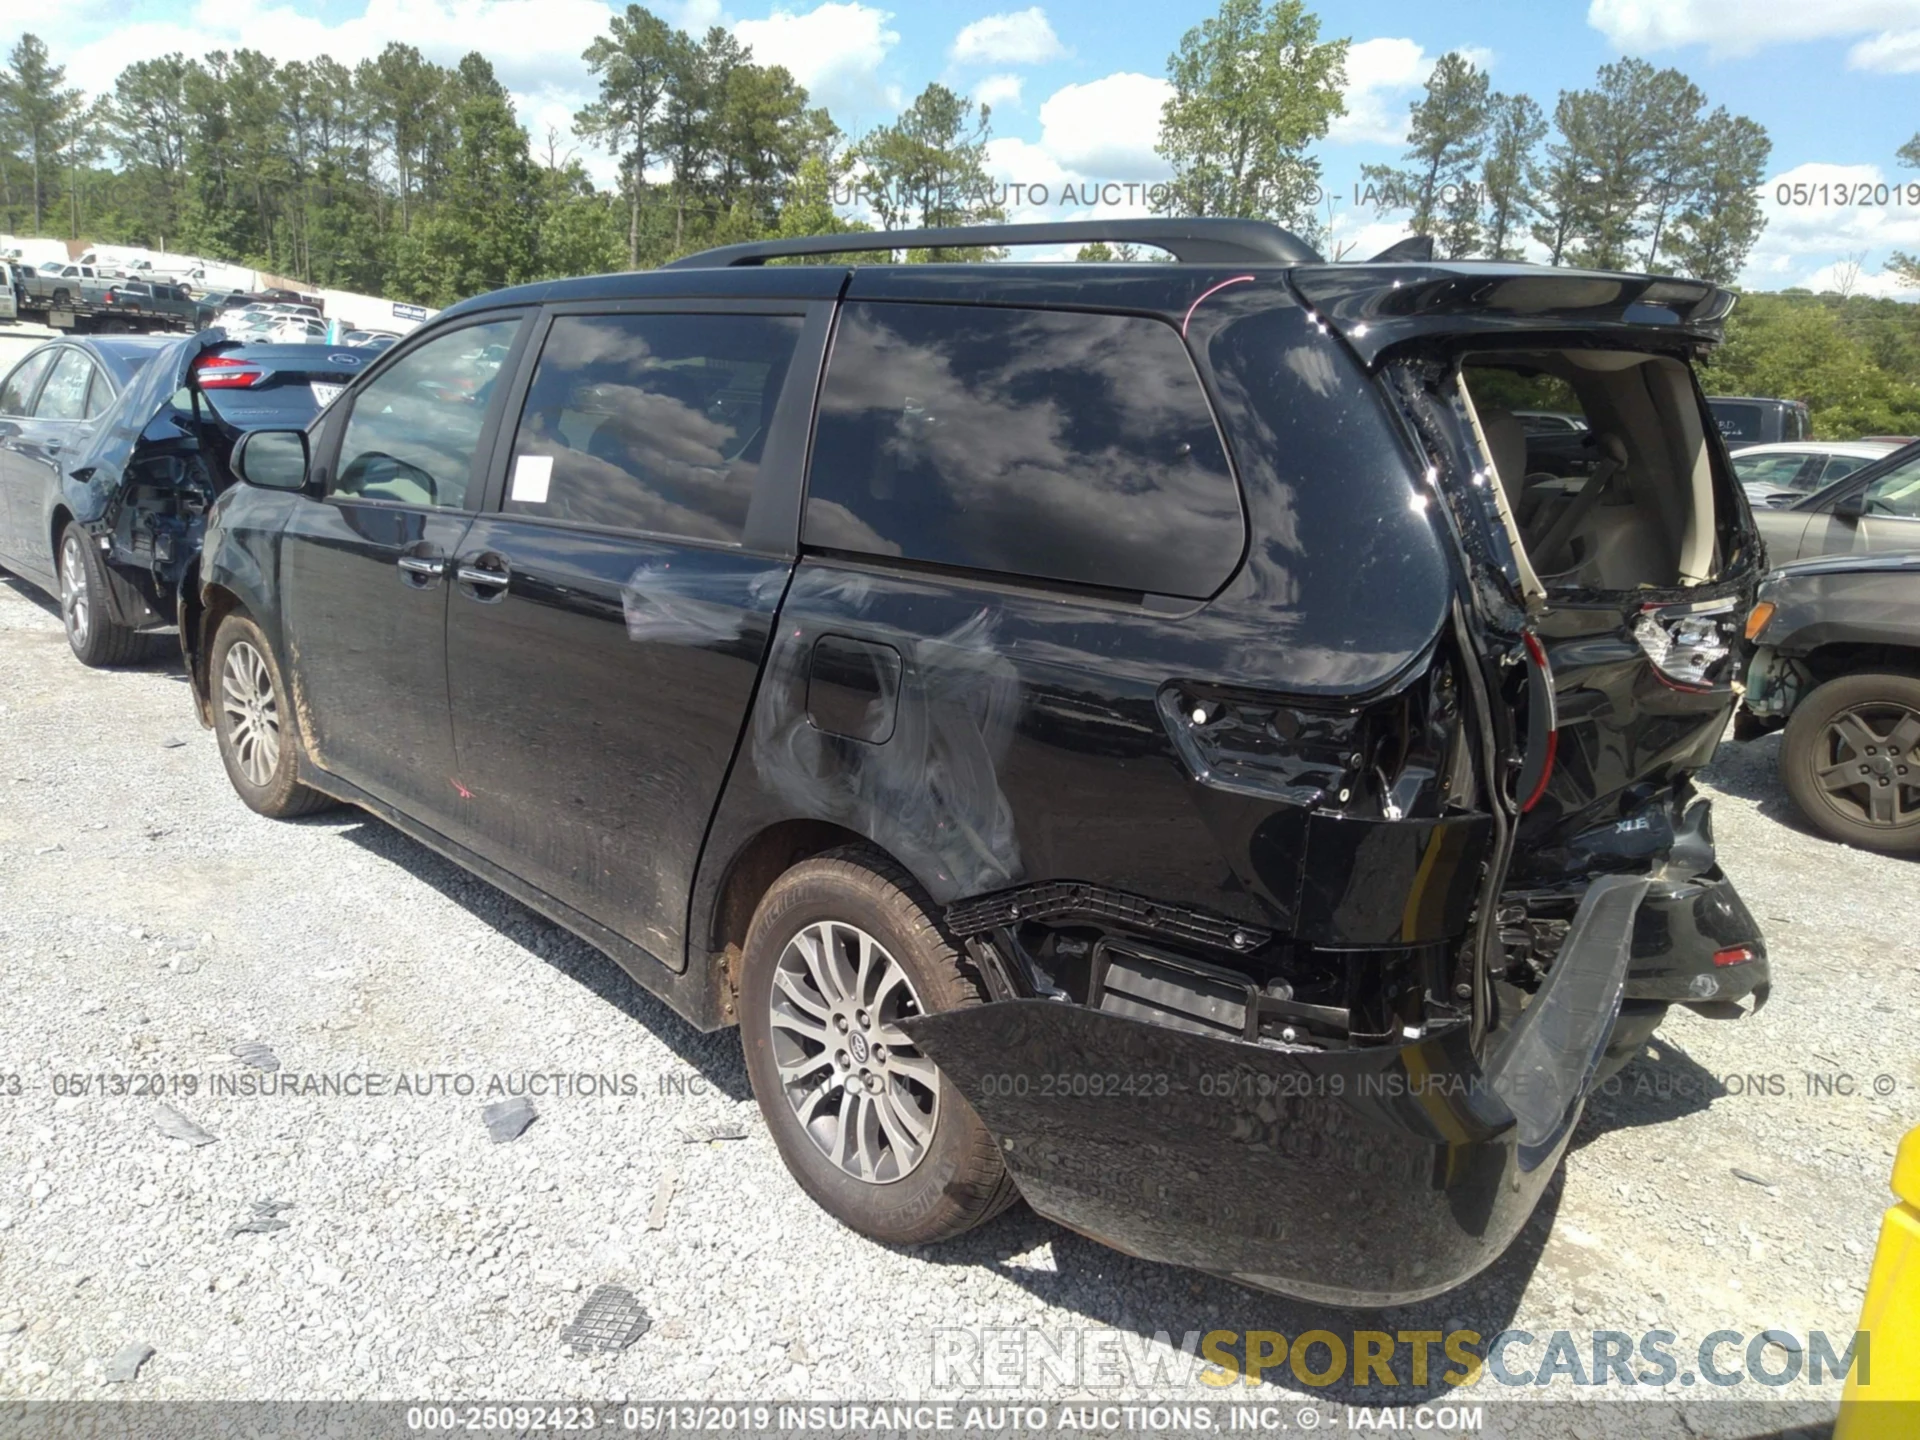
<point>1135,736</point>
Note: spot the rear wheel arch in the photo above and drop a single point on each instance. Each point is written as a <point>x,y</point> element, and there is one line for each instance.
<point>754,868</point>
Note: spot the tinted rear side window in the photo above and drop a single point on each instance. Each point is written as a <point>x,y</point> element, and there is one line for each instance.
<point>1062,446</point>
<point>650,422</point>
<point>1737,422</point>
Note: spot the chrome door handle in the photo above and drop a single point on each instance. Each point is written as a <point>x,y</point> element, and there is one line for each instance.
<point>474,575</point>
<point>422,565</point>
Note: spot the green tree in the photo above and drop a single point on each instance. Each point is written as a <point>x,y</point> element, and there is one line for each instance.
<point>579,228</point>
<point>1252,88</point>
<point>928,168</point>
<point>1515,129</point>
<point>1721,218</point>
<point>633,65</point>
<point>1906,266</point>
<point>1559,186</point>
<point>147,122</point>
<point>40,109</point>
<point>1796,347</point>
<point>1446,135</point>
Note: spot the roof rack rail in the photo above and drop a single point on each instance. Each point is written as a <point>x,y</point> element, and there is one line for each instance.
<point>1200,242</point>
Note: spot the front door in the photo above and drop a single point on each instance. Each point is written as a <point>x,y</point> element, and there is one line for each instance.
<point>16,468</point>
<point>611,609</point>
<point>365,563</point>
<point>1889,521</point>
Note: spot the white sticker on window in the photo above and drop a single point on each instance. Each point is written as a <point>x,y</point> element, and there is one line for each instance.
<point>531,476</point>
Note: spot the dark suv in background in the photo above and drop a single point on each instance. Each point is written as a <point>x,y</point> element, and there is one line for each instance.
<point>1134,732</point>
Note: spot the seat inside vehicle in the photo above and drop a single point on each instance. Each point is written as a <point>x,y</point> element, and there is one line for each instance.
<point>1621,500</point>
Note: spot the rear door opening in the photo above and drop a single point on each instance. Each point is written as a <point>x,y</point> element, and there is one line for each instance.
<point>1604,467</point>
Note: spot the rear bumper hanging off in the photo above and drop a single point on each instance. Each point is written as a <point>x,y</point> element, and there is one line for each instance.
<point>1366,1177</point>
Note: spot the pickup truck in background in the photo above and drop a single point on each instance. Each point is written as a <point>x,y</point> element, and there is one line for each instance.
<point>153,305</point>
<point>68,287</point>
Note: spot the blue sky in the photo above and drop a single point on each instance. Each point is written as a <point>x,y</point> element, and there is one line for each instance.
<point>1076,84</point>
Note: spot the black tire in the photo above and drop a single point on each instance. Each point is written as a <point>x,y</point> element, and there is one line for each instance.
<point>258,735</point>
<point>1830,744</point>
<point>957,1180</point>
<point>95,637</point>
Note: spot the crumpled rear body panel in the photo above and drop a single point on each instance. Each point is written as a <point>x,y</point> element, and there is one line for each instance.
<point>1367,1177</point>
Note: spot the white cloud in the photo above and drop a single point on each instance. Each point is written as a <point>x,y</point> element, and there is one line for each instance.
<point>1020,37</point>
<point>1382,76</point>
<point>1740,27</point>
<point>1801,242</point>
<point>1893,52</point>
<point>1106,129</point>
<point>526,57</point>
<point>998,90</point>
<point>1844,276</point>
<point>835,50</point>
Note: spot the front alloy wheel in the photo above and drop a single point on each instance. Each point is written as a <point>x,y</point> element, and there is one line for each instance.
<point>252,714</point>
<point>859,1088</point>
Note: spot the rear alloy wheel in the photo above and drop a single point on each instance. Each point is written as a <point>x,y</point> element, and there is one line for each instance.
<point>258,743</point>
<point>841,951</point>
<point>1851,760</point>
<point>95,637</point>
<point>864,1095</point>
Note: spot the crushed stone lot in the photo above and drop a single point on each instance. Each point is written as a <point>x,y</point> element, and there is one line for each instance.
<point>281,1246</point>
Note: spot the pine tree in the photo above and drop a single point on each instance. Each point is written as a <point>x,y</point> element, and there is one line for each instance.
<point>1253,88</point>
<point>1445,138</point>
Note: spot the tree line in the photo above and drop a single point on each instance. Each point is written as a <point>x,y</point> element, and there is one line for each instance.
<point>1634,172</point>
<point>404,177</point>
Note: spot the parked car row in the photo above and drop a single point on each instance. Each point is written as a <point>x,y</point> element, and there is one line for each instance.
<point>1141,738</point>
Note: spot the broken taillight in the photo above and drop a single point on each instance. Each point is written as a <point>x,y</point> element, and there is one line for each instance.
<point>1688,646</point>
<point>225,372</point>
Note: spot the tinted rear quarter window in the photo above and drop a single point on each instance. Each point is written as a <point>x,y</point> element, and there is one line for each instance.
<point>653,423</point>
<point>1737,422</point>
<point>1047,444</point>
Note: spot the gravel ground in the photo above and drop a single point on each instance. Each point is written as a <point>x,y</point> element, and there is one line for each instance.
<point>150,924</point>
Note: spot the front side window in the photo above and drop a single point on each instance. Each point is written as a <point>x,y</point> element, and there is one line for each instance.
<point>413,431</point>
<point>17,394</point>
<point>1775,469</point>
<point>1896,493</point>
<point>1838,467</point>
<point>64,396</point>
<point>650,422</point>
<point>1061,446</point>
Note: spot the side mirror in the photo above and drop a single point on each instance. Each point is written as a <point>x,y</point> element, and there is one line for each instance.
<point>272,459</point>
<point>1851,506</point>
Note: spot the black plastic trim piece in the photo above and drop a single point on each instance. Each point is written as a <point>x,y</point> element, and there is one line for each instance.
<point>1095,902</point>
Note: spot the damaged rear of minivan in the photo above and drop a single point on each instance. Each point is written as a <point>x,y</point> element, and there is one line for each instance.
<point>1297,910</point>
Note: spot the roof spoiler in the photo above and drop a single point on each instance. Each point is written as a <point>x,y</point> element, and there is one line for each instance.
<point>1195,242</point>
<point>1374,307</point>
